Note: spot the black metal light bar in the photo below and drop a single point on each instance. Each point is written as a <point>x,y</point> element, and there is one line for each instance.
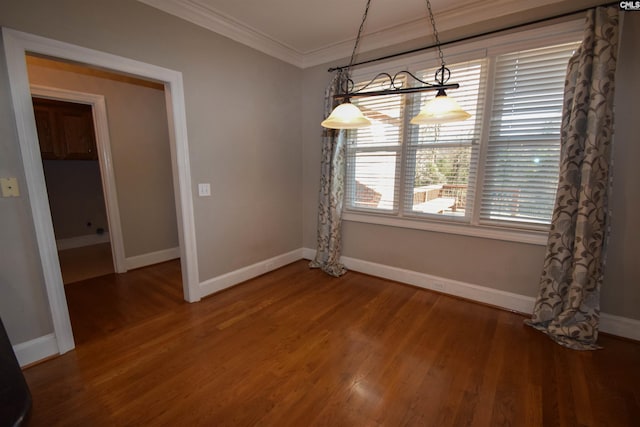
<point>394,88</point>
<point>348,116</point>
<point>396,91</point>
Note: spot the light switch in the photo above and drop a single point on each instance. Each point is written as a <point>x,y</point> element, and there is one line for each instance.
<point>9,187</point>
<point>204,189</point>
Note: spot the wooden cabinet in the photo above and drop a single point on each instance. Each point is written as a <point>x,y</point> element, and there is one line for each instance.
<point>65,130</point>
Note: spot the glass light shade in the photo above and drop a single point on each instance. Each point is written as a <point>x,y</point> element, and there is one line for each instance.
<point>440,109</point>
<point>346,116</point>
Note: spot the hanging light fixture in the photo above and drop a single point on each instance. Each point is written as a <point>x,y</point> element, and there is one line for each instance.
<point>347,115</point>
<point>441,109</point>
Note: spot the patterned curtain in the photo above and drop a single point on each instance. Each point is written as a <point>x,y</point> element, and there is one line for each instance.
<point>568,304</point>
<point>331,191</point>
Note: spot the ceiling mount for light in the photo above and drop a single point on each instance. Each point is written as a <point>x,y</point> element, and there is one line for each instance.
<point>441,109</point>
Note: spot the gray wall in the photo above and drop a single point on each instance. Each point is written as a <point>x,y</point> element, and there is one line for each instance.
<point>243,124</point>
<point>507,266</point>
<point>75,197</point>
<point>621,287</point>
<point>138,130</point>
<point>23,302</point>
<point>254,134</point>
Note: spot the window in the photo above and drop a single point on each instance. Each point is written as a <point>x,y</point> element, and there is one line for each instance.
<point>442,160</point>
<point>497,169</point>
<point>374,153</point>
<point>521,167</point>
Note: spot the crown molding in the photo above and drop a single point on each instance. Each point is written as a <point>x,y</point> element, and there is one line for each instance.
<point>198,14</point>
<point>371,41</point>
<point>463,14</point>
<point>466,13</point>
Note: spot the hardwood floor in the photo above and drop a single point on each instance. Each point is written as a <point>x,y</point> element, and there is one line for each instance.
<point>85,262</point>
<point>298,348</point>
<point>101,305</point>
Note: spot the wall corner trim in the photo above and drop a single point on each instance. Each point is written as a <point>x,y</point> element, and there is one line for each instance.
<point>150,258</point>
<point>82,241</point>
<point>611,324</point>
<point>36,349</point>
<point>232,278</point>
<point>496,297</point>
<point>620,326</point>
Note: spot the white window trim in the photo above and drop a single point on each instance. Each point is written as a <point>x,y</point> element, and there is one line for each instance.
<point>450,227</point>
<point>564,32</point>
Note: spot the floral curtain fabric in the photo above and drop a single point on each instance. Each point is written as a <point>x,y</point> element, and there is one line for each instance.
<point>333,169</point>
<point>568,304</point>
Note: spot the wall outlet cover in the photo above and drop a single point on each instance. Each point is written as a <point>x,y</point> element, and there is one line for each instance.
<point>9,187</point>
<point>204,189</point>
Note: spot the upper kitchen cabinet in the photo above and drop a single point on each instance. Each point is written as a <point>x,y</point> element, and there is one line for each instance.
<point>65,130</point>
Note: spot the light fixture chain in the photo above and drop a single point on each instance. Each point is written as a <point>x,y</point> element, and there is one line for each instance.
<point>349,116</point>
<point>435,33</point>
<point>355,46</point>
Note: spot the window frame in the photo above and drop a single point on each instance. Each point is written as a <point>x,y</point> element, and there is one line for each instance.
<point>473,144</point>
<point>389,147</point>
<point>487,49</point>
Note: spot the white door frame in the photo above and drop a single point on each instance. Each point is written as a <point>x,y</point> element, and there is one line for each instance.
<point>103,145</point>
<point>16,45</point>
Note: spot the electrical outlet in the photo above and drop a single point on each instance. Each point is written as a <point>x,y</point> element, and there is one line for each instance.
<point>9,187</point>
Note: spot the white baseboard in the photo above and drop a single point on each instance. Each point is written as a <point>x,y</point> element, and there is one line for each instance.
<point>238,276</point>
<point>151,258</point>
<point>615,325</point>
<point>504,299</point>
<point>508,300</point>
<point>620,326</point>
<point>46,346</point>
<point>308,253</point>
<point>81,241</point>
<point>36,349</point>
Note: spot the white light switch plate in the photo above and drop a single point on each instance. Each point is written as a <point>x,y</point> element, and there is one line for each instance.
<point>9,187</point>
<point>204,189</point>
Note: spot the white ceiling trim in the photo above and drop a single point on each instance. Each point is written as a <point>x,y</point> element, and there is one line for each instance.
<point>462,14</point>
<point>228,27</point>
<point>380,39</point>
<point>469,13</point>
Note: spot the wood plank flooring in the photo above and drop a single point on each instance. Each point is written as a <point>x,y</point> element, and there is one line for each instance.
<point>101,305</point>
<point>296,347</point>
<point>85,262</point>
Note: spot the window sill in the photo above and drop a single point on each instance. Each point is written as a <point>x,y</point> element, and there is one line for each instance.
<point>508,234</point>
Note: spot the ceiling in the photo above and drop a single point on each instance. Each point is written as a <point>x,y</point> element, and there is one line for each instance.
<point>311,32</point>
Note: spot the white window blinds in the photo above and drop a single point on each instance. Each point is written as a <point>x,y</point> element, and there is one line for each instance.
<point>521,168</point>
<point>498,169</point>
<point>373,154</point>
<point>442,159</point>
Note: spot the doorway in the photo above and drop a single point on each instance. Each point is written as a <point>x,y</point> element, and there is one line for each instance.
<point>131,153</point>
<point>66,134</point>
<point>17,46</point>
<point>64,113</point>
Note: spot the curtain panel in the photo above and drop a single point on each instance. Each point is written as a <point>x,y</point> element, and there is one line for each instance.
<point>568,304</point>
<point>330,203</point>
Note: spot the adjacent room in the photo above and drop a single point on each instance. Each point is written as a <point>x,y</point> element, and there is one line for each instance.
<point>419,212</point>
